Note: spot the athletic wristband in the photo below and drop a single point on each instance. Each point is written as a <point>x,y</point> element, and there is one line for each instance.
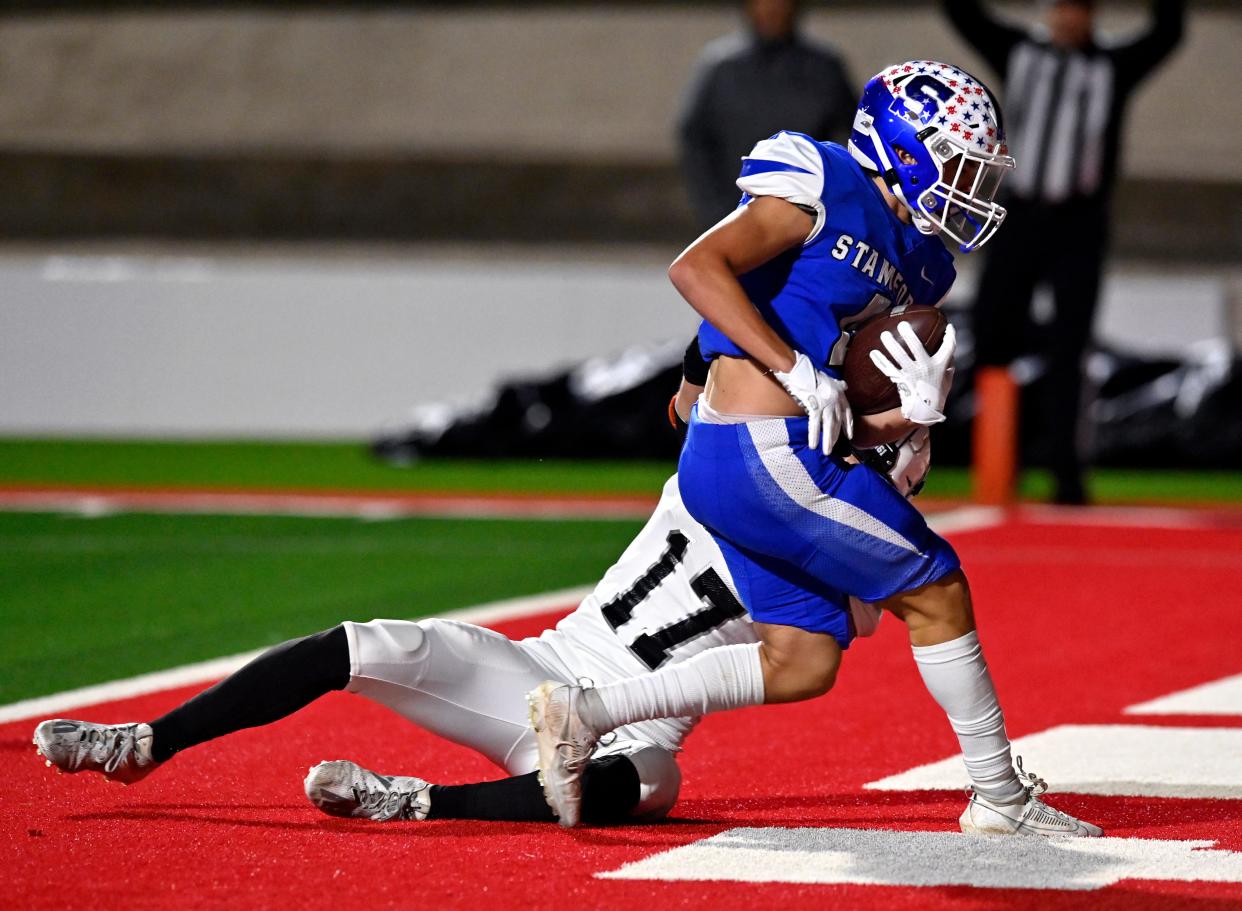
<point>693,367</point>
<point>673,417</point>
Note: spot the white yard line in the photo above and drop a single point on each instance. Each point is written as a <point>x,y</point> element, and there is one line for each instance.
<point>884,857</point>
<point>1134,760</point>
<point>205,671</point>
<point>968,518</point>
<point>378,508</point>
<point>1219,697</point>
<point>384,507</point>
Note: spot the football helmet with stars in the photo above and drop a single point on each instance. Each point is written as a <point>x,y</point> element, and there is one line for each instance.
<point>950,124</point>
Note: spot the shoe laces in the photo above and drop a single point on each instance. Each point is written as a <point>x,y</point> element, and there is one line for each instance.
<point>574,754</point>
<point>1035,786</point>
<point>110,746</point>
<point>385,801</point>
<point>574,757</point>
<point>1040,811</point>
<point>1032,784</point>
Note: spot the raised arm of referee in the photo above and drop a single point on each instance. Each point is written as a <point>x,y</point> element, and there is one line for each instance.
<point>1065,100</point>
<point>1065,94</point>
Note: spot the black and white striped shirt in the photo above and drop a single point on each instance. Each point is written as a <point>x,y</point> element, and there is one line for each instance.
<point>1064,107</point>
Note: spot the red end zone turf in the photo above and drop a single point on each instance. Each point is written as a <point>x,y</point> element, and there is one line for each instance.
<point>1079,622</point>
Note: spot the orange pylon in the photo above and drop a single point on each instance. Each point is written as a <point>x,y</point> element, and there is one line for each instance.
<point>995,458</point>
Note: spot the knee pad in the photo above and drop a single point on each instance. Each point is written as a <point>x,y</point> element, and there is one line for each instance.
<point>659,778</point>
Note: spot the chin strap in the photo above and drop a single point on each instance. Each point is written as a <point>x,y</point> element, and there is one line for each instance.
<point>888,174</point>
<point>904,464</point>
<point>924,224</point>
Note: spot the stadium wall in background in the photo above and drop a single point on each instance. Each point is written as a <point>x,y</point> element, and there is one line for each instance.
<point>480,122</point>
<point>303,344</point>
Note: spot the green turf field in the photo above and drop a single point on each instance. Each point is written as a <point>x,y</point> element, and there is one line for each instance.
<point>328,466</point>
<point>350,466</point>
<point>89,600</point>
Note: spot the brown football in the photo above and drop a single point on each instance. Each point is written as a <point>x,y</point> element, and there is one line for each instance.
<point>868,390</point>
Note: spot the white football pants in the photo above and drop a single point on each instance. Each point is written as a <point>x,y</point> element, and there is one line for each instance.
<point>469,685</point>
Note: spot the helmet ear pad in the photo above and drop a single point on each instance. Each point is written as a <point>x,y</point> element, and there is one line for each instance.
<point>915,179</point>
<point>875,122</point>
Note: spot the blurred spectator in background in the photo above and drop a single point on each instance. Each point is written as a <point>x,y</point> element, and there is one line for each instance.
<point>1065,99</point>
<point>749,85</point>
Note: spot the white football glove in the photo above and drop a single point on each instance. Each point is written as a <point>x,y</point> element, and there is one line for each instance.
<point>922,379</point>
<point>822,397</point>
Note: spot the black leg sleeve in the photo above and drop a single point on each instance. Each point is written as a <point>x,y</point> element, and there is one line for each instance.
<point>277,683</point>
<point>517,799</point>
<point>610,790</point>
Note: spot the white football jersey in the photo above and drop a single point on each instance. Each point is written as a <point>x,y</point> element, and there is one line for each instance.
<point>668,597</point>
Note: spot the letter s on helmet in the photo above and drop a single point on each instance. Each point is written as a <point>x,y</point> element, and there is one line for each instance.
<point>951,124</point>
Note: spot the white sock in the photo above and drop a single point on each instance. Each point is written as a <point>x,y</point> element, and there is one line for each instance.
<point>720,678</point>
<point>957,677</point>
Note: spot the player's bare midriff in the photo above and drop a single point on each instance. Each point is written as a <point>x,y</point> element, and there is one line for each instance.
<point>737,385</point>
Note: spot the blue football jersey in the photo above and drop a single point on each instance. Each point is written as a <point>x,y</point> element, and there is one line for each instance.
<point>858,261</point>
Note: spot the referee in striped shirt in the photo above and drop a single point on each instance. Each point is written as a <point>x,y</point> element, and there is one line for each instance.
<point>1065,100</point>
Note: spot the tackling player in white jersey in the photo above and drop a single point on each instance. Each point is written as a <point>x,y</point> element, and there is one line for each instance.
<point>668,597</point>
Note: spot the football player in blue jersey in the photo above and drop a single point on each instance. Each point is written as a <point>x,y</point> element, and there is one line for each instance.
<point>824,238</point>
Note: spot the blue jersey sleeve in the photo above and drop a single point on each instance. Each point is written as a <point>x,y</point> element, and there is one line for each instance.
<point>788,166</point>
<point>858,259</point>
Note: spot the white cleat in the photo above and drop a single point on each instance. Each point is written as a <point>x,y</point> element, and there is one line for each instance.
<point>120,752</point>
<point>344,788</point>
<point>566,743</point>
<point>1029,817</point>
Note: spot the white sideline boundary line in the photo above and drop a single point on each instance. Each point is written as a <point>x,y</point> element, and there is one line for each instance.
<point>204,671</point>
<point>966,518</point>
<point>93,504</point>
